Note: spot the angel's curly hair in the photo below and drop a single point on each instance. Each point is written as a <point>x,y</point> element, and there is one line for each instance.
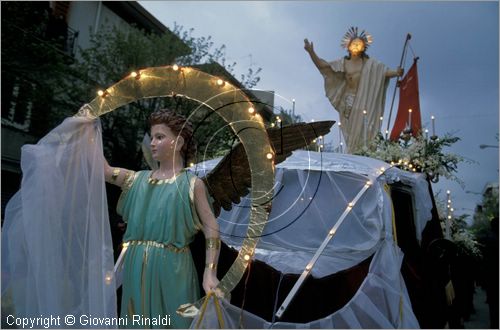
<point>179,126</point>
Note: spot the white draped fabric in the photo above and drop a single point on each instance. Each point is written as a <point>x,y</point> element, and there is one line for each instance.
<point>422,199</point>
<point>380,302</point>
<point>57,253</point>
<point>305,209</point>
<point>312,190</point>
<point>370,96</point>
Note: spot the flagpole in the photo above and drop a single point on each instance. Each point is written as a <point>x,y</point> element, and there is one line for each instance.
<point>408,37</point>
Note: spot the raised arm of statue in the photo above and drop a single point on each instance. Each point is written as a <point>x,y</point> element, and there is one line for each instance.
<point>320,63</point>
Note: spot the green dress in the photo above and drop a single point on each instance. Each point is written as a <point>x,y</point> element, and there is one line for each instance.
<point>158,271</point>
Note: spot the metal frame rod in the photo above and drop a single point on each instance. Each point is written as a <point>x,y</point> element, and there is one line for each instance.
<point>408,37</point>
<point>319,251</point>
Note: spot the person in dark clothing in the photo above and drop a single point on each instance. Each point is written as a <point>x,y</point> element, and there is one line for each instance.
<point>490,275</point>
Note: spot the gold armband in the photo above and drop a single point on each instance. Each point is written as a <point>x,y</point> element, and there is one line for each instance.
<point>116,172</point>
<point>128,180</point>
<point>211,265</point>
<point>212,243</point>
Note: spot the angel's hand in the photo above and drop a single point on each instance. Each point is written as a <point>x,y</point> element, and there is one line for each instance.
<point>210,280</point>
<point>86,112</point>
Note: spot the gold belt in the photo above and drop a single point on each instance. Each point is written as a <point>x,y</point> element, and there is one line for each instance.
<point>169,247</point>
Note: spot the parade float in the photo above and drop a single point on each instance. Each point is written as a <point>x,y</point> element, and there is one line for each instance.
<point>351,241</point>
<point>322,239</point>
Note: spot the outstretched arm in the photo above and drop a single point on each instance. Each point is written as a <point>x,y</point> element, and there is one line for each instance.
<point>394,73</point>
<point>212,240</point>
<point>320,63</point>
<point>116,175</point>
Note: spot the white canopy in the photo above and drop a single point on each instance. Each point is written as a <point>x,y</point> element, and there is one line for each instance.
<point>312,192</point>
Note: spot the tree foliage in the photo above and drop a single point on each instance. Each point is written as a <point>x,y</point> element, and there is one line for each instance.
<point>34,66</point>
<point>59,84</point>
<point>114,53</point>
<point>203,52</point>
<point>485,212</point>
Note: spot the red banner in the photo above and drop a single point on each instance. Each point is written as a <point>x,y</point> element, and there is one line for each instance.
<point>408,99</point>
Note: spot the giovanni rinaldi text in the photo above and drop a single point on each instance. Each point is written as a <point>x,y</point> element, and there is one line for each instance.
<point>86,320</point>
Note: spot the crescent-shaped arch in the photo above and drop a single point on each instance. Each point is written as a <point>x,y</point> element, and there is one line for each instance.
<point>234,107</point>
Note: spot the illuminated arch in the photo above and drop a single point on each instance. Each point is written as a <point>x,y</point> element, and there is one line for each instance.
<point>234,107</point>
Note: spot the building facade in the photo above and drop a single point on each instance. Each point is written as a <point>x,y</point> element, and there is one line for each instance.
<point>64,27</point>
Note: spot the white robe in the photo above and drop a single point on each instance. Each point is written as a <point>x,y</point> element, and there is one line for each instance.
<point>370,97</point>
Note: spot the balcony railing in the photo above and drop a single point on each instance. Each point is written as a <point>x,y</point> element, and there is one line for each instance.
<point>59,31</point>
<point>71,41</point>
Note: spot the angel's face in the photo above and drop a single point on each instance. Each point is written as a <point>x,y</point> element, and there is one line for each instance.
<point>163,144</point>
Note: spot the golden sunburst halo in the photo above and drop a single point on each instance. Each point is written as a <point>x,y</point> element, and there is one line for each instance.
<point>352,34</point>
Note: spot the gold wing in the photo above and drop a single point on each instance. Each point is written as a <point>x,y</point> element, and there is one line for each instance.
<point>230,179</point>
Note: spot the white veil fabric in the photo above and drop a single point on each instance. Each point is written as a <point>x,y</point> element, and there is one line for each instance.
<point>57,252</point>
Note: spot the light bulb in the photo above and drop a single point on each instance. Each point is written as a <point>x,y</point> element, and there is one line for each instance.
<point>108,278</point>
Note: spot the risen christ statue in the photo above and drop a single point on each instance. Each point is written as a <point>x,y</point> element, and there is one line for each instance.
<point>356,86</point>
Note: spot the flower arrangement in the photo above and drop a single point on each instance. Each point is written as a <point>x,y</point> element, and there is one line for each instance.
<point>417,154</point>
<point>466,242</point>
<point>464,238</point>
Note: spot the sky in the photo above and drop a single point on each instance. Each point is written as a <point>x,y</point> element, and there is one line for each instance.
<point>457,43</point>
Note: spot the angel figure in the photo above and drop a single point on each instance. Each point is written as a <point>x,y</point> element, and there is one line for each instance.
<point>57,252</point>
<point>356,86</point>
<point>164,208</point>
